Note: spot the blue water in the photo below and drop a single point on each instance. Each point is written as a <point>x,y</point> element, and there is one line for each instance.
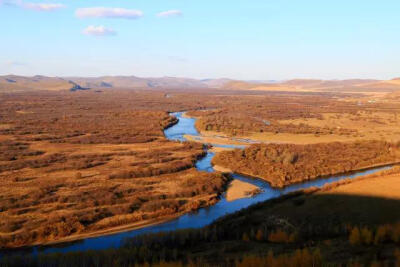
<point>184,126</point>
<point>203,216</point>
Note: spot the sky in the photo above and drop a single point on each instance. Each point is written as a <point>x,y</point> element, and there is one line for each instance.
<point>248,40</point>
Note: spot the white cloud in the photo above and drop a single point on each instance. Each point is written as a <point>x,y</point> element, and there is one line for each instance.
<point>170,13</point>
<point>34,6</point>
<point>98,31</point>
<point>104,12</point>
<point>43,6</point>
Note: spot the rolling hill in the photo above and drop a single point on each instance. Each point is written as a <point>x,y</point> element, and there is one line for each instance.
<point>12,83</point>
<point>351,85</point>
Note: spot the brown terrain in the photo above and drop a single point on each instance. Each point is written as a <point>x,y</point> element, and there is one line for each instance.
<point>377,195</point>
<point>313,85</point>
<point>354,222</point>
<point>285,164</point>
<point>10,83</point>
<point>77,162</point>
<point>74,164</point>
<point>304,118</point>
<point>238,189</point>
<point>20,83</point>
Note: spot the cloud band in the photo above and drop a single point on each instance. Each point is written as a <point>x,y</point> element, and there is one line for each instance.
<point>104,12</point>
<point>98,31</point>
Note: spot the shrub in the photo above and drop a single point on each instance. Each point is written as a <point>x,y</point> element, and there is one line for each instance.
<point>366,236</point>
<point>355,236</point>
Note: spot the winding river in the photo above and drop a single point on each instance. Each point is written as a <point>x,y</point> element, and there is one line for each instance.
<point>201,217</point>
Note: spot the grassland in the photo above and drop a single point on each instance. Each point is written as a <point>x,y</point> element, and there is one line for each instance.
<point>72,190</point>
<point>350,223</point>
<point>369,124</point>
<point>304,119</point>
<point>78,164</point>
<point>74,165</point>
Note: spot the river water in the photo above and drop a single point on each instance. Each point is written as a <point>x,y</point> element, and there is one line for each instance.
<point>201,217</point>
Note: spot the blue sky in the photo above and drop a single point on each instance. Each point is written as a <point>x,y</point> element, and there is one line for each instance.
<point>253,39</point>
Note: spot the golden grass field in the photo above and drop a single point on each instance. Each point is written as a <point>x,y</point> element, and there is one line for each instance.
<point>76,164</point>
<point>372,116</point>
<point>370,125</point>
<point>369,200</point>
<point>385,185</point>
<point>98,203</point>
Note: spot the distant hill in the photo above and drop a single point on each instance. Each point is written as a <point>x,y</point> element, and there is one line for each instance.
<point>12,83</point>
<point>20,83</point>
<point>351,85</point>
<point>216,83</point>
<point>136,82</point>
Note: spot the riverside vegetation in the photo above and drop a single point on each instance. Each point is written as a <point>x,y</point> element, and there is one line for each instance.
<point>72,165</point>
<point>76,164</point>
<point>293,230</point>
<point>284,164</point>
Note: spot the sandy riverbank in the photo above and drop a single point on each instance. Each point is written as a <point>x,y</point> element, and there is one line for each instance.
<point>211,139</point>
<point>221,169</point>
<point>238,189</point>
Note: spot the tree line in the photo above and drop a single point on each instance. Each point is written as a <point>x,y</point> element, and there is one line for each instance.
<point>284,164</point>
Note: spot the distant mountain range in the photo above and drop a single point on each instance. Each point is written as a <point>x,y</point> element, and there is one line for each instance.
<point>21,83</point>
<point>351,85</point>
<point>136,82</point>
<point>12,83</point>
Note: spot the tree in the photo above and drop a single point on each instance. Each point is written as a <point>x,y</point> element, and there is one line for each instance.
<point>245,237</point>
<point>317,257</point>
<point>355,236</point>
<point>260,235</point>
<point>366,236</point>
<point>397,255</point>
<point>380,234</point>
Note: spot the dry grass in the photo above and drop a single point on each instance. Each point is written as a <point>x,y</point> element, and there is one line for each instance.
<point>77,193</point>
<point>384,185</point>
<point>78,163</point>
<point>72,165</point>
<point>369,125</point>
<point>300,139</point>
<point>304,120</point>
<point>370,200</point>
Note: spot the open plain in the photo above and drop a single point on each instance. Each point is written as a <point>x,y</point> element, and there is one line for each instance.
<point>87,163</point>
